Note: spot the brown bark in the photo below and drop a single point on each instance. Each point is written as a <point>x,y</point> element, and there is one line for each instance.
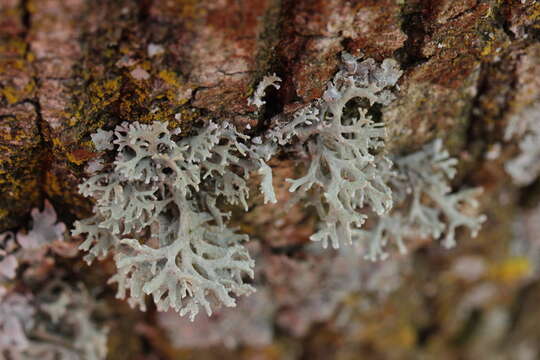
<point>70,67</point>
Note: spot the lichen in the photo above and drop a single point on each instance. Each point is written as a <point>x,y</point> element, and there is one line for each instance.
<point>425,204</point>
<point>45,229</point>
<point>56,323</point>
<point>345,173</point>
<point>158,204</point>
<point>169,188</point>
<point>525,167</point>
<point>267,81</point>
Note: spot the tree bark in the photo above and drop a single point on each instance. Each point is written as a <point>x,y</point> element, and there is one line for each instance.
<point>70,67</point>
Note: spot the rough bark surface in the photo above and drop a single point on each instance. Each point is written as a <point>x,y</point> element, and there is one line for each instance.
<point>70,67</point>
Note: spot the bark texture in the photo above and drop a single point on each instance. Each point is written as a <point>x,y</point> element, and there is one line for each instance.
<point>70,67</point>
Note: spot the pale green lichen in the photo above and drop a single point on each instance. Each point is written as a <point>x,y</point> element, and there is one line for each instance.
<point>345,172</point>
<point>156,206</point>
<point>54,324</point>
<point>425,204</point>
<point>525,167</point>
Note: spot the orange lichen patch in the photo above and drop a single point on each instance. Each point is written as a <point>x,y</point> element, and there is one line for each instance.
<point>487,50</point>
<point>20,162</point>
<point>133,101</point>
<point>9,95</point>
<point>20,142</point>
<point>124,84</point>
<point>14,95</point>
<point>54,187</point>
<point>174,89</point>
<point>520,15</point>
<point>105,92</point>
<point>79,156</point>
<point>455,47</point>
<point>16,82</point>
<point>386,327</point>
<point>169,77</point>
<point>60,183</point>
<point>460,33</point>
<point>12,47</point>
<point>86,112</point>
<point>3,214</point>
<point>511,270</point>
<point>182,10</point>
<point>406,337</point>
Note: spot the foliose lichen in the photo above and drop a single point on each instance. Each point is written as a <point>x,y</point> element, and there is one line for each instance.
<point>158,202</point>
<point>156,205</point>
<point>41,316</point>
<point>56,323</point>
<point>346,170</point>
<point>525,167</point>
<point>425,204</point>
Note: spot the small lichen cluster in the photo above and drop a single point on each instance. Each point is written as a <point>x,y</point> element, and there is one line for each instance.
<point>156,205</point>
<point>425,205</point>
<point>250,324</point>
<point>33,246</point>
<point>54,324</point>
<point>525,167</point>
<point>158,196</point>
<point>40,317</point>
<point>16,318</point>
<point>345,172</point>
<point>260,91</point>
